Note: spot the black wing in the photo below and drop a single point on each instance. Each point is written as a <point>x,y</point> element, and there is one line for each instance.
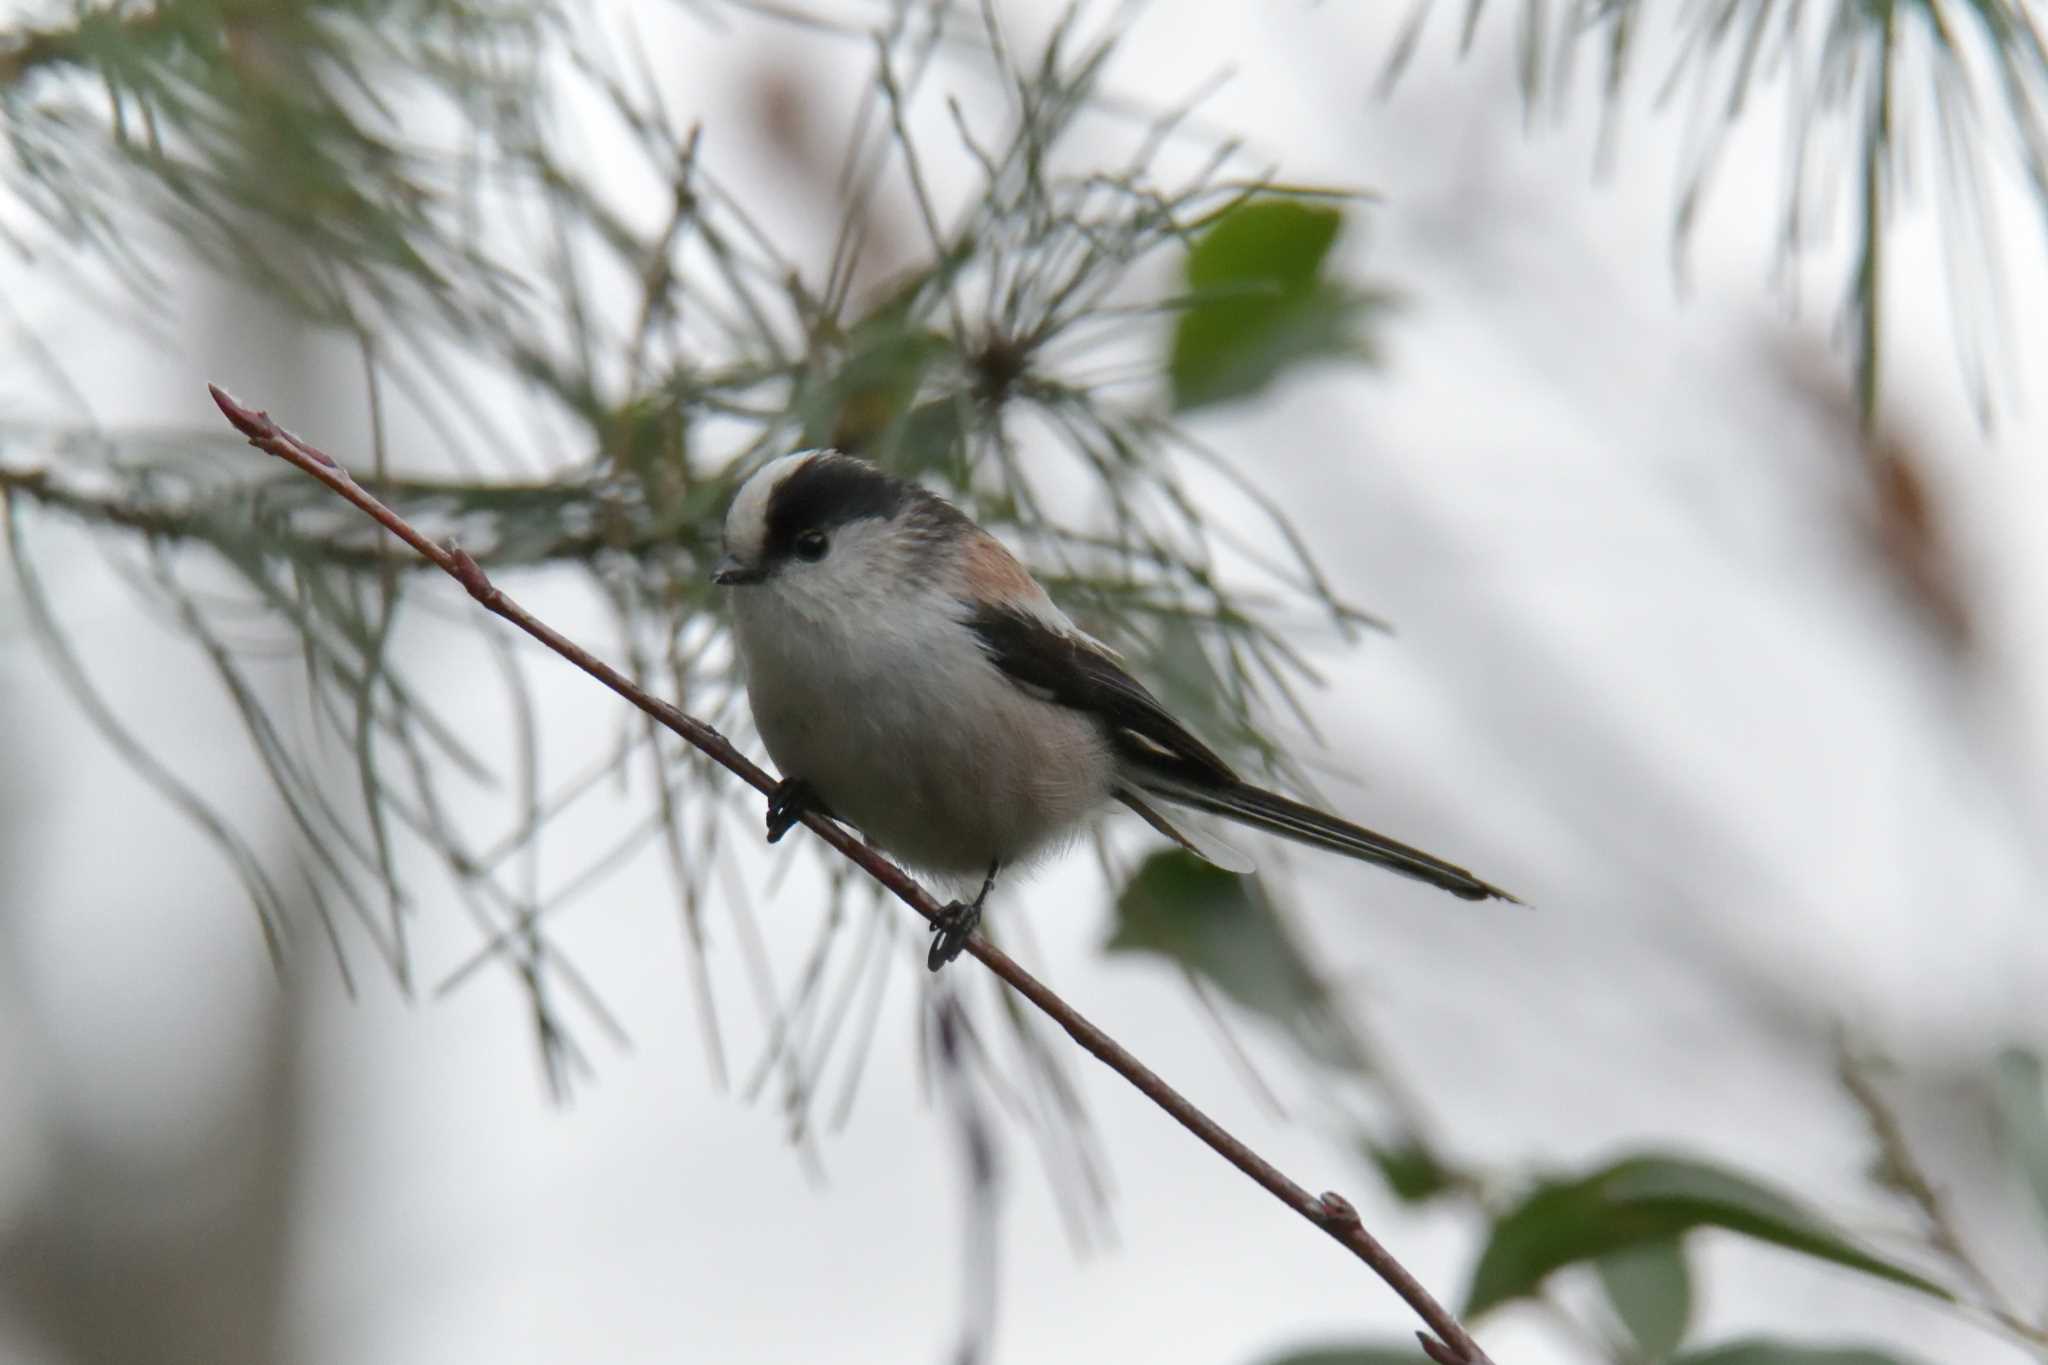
<point>1161,759</point>
<point>1052,664</point>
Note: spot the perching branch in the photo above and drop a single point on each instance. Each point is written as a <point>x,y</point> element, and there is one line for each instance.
<point>1452,1344</point>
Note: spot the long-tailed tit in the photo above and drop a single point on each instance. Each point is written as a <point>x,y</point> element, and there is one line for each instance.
<point>910,677</point>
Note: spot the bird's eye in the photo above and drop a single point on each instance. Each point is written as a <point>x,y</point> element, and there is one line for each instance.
<point>812,545</point>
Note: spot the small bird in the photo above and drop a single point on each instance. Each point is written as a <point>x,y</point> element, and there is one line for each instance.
<point>911,678</point>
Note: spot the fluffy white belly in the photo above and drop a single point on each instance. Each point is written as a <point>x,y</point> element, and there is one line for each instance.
<point>905,729</point>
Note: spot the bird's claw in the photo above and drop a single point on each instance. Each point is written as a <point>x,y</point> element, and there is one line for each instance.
<point>791,800</point>
<point>950,931</point>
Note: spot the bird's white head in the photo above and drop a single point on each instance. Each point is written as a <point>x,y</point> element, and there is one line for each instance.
<point>820,527</point>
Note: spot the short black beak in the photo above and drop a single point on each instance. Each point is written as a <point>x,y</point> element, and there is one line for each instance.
<point>731,573</point>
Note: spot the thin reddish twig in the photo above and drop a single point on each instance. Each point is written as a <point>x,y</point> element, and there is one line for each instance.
<point>1331,1212</point>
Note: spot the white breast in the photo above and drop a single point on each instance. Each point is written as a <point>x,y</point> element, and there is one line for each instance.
<point>895,716</point>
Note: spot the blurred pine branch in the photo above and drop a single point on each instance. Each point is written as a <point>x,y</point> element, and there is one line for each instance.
<point>417,178</point>
<point>1884,102</point>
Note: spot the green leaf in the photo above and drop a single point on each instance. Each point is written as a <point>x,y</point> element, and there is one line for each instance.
<point>1411,1170</point>
<point>1357,1353</point>
<point>2022,1098</point>
<point>1212,924</point>
<point>1760,1351</point>
<point>1651,1291</point>
<point>1647,1199</point>
<point>1259,302</point>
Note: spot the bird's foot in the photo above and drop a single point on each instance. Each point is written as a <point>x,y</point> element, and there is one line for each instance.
<point>956,923</point>
<point>950,932</point>
<point>791,800</point>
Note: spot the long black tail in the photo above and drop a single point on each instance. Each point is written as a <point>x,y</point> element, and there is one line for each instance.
<point>1261,809</point>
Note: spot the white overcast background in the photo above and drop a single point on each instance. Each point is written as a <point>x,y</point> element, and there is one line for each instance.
<point>1645,673</point>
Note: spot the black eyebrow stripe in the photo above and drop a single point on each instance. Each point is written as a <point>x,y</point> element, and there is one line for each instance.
<point>827,491</point>
<point>1065,671</point>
